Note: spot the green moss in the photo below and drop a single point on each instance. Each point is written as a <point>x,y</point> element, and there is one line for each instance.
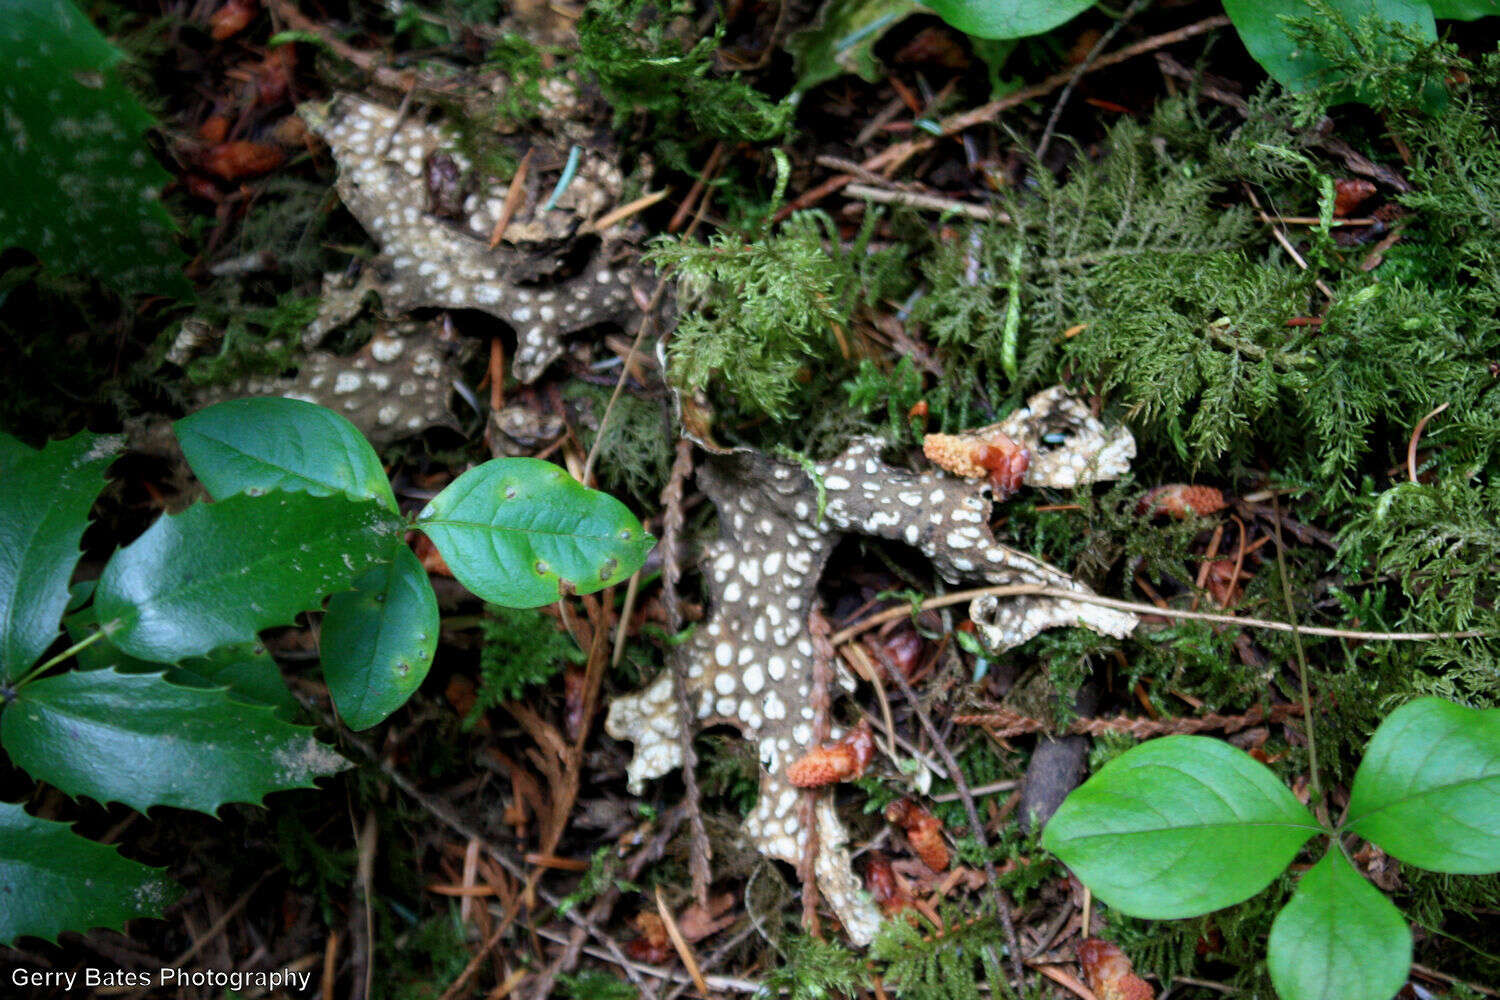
<point>636,51</point>
<point>522,648</point>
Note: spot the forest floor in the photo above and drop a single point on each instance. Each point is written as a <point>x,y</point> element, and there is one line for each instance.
<point>1291,304</point>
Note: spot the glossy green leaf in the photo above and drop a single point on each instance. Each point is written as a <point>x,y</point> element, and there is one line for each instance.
<point>81,188</point>
<point>246,669</point>
<point>271,443</point>
<point>843,38</point>
<point>44,506</point>
<point>53,880</point>
<point>379,640</point>
<point>1428,789</point>
<point>513,529</point>
<point>12,451</point>
<point>1177,827</point>
<point>1339,938</point>
<point>217,574</point>
<point>1007,18</point>
<point>1465,10</point>
<point>1262,27</point>
<point>137,739</point>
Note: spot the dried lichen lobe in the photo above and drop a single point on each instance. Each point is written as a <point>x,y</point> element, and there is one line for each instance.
<point>427,260</point>
<point>750,665</point>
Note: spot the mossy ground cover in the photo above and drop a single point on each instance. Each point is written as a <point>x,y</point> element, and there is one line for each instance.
<point>1178,257</point>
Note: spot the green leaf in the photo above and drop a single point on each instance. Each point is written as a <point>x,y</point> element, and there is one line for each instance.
<point>843,38</point>
<point>137,739</point>
<point>1263,29</point>
<point>217,574</point>
<point>1464,10</point>
<point>513,529</point>
<point>245,668</point>
<point>12,451</point>
<point>82,189</point>
<point>53,880</point>
<point>1177,827</point>
<point>379,640</point>
<point>271,443</point>
<point>1007,18</point>
<point>1339,938</point>
<point>1428,789</point>
<point>45,498</point>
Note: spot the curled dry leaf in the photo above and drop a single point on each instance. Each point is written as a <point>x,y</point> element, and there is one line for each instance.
<point>232,18</point>
<point>1182,500</point>
<point>1109,972</point>
<point>232,161</point>
<point>842,760</point>
<point>923,830</point>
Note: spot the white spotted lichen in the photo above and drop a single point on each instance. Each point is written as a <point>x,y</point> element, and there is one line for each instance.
<point>751,664</point>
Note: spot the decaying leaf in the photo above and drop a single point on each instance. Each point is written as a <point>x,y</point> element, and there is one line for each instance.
<point>1109,972</point>
<point>750,665</point>
<point>428,259</point>
<point>1182,500</point>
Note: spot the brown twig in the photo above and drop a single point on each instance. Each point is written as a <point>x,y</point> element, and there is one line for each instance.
<point>927,202</point>
<point>1416,437</point>
<point>976,827</point>
<point>699,850</point>
<point>1078,72</point>
<point>1005,723</point>
<point>1040,590</point>
<point>985,112</point>
<point>685,210</point>
<point>513,195</point>
<point>371,64</point>
<point>647,314</point>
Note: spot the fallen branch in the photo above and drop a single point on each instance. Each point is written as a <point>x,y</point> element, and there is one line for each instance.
<point>1039,590</point>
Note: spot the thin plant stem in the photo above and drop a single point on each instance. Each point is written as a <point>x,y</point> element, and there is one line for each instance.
<point>1307,712</point>
<point>42,668</point>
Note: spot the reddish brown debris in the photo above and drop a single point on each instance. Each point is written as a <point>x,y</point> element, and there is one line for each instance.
<point>1181,500</point>
<point>842,760</point>
<point>923,830</point>
<point>1349,193</point>
<point>653,947</point>
<point>232,161</point>
<point>885,888</point>
<point>232,18</point>
<point>988,454</point>
<point>1109,972</point>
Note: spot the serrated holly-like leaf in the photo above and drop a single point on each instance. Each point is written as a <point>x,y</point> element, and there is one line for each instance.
<point>44,506</point>
<point>379,640</point>
<point>512,529</point>
<point>1262,26</point>
<point>11,451</point>
<point>246,669</point>
<point>1428,789</point>
<point>137,739</point>
<point>53,880</point>
<point>217,574</point>
<point>1339,937</point>
<point>82,190</point>
<point>272,443</point>
<point>1007,18</point>
<point>843,38</point>
<point>1177,827</point>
